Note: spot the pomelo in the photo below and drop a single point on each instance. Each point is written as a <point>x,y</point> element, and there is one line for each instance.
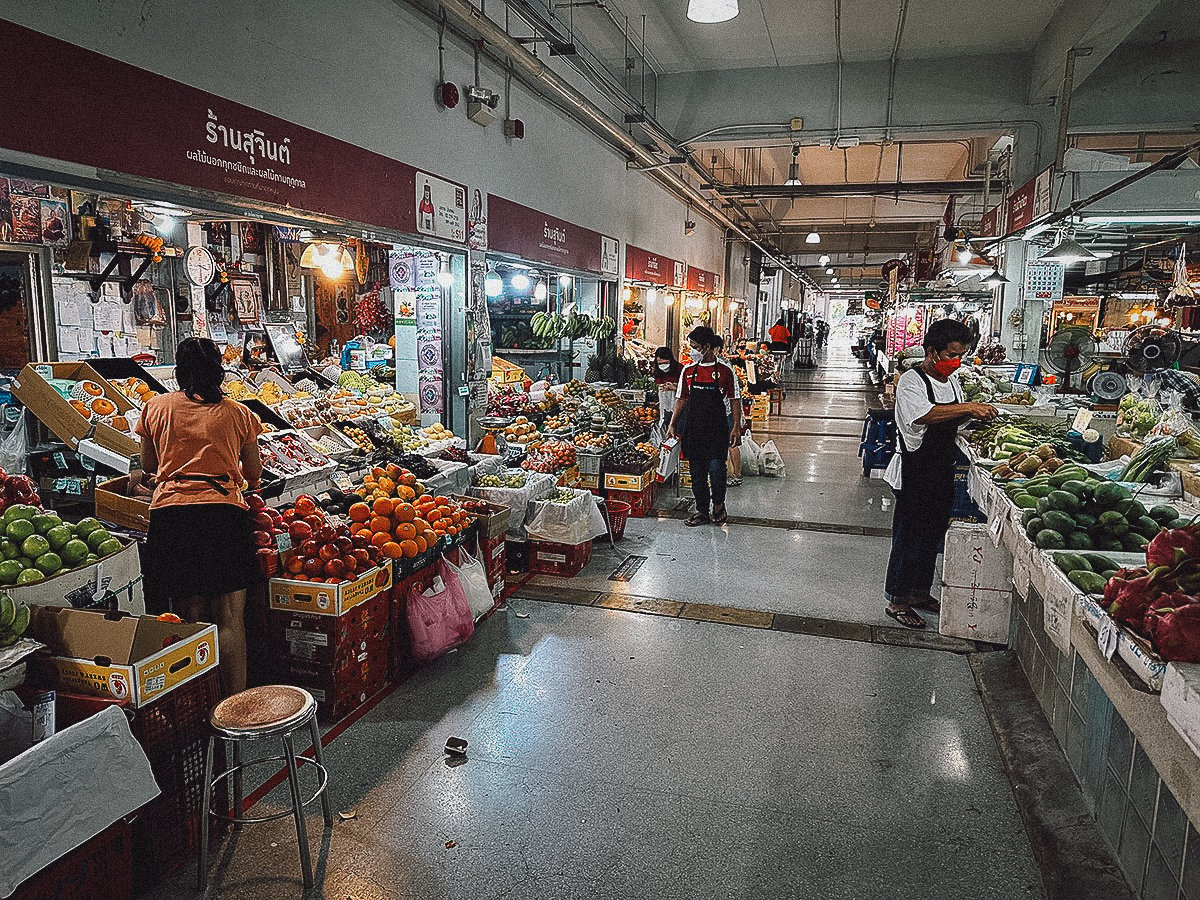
<point>84,527</point>
<point>74,552</point>
<point>96,538</point>
<point>109,547</point>
<point>29,576</point>
<point>49,563</point>
<point>34,546</point>
<point>59,536</point>
<point>10,571</point>
<point>19,529</point>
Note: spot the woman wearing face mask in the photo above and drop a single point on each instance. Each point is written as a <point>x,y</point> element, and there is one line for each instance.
<point>712,423</point>
<point>929,412</point>
<point>666,378</point>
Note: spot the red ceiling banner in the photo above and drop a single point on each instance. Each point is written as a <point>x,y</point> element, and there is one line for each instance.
<point>642,265</point>
<point>521,231</point>
<point>99,112</point>
<point>702,281</point>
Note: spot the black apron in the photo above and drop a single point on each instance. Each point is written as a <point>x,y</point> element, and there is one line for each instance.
<point>927,473</point>
<point>706,430</point>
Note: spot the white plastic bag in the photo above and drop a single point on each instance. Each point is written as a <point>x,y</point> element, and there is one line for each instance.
<point>473,578</point>
<point>751,456</point>
<point>566,523</point>
<point>772,461</point>
<point>518,499</point>
<point>15,448</point>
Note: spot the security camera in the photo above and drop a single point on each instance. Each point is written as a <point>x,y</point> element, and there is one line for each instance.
<point>688,226</point>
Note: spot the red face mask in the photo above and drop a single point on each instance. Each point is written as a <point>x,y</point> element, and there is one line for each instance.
<point>946,367</point>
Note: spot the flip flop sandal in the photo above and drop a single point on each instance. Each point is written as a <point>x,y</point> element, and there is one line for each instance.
<point>906,617</point>
<point>734,482</point>
<point>720,518</point>
<point>697,519</point>
<point>927,603</point>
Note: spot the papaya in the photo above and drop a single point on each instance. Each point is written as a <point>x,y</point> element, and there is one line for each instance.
<point>1087,581</point>
<point>1110,495</point>
<point>1049,539</point>
<point>1163,514</point>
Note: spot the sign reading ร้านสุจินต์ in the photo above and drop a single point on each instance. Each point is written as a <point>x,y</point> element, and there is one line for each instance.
<point>87,112</point>
<point>531,235</point>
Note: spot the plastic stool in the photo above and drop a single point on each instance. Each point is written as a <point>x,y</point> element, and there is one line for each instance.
<point>259,713</point>
<point>775,402</point>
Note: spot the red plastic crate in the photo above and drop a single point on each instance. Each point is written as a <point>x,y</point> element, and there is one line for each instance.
<point>640,502</point>
<point>100,868</point>
<point>563,560</point>
<point>326,641</point>
<point>400,659</point>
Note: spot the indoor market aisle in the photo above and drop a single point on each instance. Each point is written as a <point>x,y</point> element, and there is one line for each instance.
<point>616,755</point>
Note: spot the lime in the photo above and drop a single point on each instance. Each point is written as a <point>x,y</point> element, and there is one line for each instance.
<point>91,558</point>
<point>43,522</point>
<point>9,550</point>
<point>84,527</point>
<point>34,546</point>
<point>49,563</point>
<point>109,547</point>
<point>10,571</point>
<point>29,576</point>
<point>19,529</point>
<point>19,511</point>
<point>74,552</point>
<point>58,537</point>
<point>96,538</point>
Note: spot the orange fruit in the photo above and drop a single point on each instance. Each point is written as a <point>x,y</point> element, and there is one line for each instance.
<point>410,548</point>
<point>441,501</point>
<point>421,544</point>
<point>404,512</point>
<point>421,525</point>
<point>392,550</point>
<point>434,514</point>
<point>430,536</point>
<point>380,523</point>
<point>406,531</point>
<point>451,529</point>
<point>380,538</point>
<point>359,512</point>
<point>382,507</point>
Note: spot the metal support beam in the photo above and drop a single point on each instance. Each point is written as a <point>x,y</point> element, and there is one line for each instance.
<point>866,189</point>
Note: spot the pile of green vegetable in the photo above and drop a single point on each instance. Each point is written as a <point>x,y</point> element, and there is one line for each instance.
<point>1073,510</point>
<point>1087,571</point>
<point>1016,435</point>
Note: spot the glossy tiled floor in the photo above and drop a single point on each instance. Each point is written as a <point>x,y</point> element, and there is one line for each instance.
<point>622,755</point>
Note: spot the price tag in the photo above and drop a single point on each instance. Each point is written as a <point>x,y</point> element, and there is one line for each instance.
<point>1108,638</point>
<point>1083,419</point>
<point>341,480</point>
<point>283,542</point>
<point>994,528</point>
<point>60,460</point>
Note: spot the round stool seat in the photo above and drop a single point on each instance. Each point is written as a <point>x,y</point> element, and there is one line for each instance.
<point>263,710</point>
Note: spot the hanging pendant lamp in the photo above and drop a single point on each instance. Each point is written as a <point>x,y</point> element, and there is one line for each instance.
<point>709,12</point>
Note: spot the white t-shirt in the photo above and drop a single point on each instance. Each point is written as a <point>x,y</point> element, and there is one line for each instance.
<point>912,403</point>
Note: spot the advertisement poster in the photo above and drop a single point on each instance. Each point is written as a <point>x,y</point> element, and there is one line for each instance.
<point>55,223</point>
<point>441,208</point>
<point>477,229</point>
<point>26,220</point>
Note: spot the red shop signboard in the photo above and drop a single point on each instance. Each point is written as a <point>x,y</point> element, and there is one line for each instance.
<point>99,112</point>
<point>642,265</point>
<point>537,237</point>
<point>702,281</point>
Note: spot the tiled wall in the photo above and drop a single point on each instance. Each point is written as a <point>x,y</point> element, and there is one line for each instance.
<point>1159,851</point>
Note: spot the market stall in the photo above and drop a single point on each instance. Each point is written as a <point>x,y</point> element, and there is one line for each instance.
<point>653,299</point>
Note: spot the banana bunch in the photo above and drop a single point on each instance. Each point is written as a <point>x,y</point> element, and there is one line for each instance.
<point>14,620</point>
<point>546,326</point>
<point>573,327</point>
<point>579,326</point>
<point>603,328</point>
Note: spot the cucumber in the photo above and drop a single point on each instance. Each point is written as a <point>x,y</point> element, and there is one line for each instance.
<point>1070,562</point>
<point>1164,514</point>
<point>1080,540</point>
<point>1099,562</point>
<point>1058,520</point>
<point>1064,500</point>
<point>1087,581</point>
<point>1024,501</point>
<point>1049,539</point>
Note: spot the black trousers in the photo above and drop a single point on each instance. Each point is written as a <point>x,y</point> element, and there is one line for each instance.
<point>704,472</point>
<point>919,525</point>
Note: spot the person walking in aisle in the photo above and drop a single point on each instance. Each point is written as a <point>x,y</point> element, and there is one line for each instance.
<point>780,336</point>
<point>202,449</point>
<point>708,420</point>
<point>929,412</point>
<point>667,370</point>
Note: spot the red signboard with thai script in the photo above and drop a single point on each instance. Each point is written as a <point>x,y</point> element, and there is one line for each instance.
<point>702,281</point>
<point>642,265</point>
<point>989,226</point>
<point>99,112</point>
<point>1020,206</point>
<point>537,237</point>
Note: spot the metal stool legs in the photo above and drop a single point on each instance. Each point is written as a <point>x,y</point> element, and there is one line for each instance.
<point>205,809</point>
<point>298,810</point>
<point>319,756</point>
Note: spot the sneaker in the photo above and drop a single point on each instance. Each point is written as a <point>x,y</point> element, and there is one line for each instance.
<point>734,482</point>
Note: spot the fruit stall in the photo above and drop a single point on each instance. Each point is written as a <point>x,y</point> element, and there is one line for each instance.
<point>1103,554</point>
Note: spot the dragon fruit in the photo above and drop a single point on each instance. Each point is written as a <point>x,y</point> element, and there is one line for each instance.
<point>1173,624</point>
<point>1170,548</point>
<point>1129,594</point>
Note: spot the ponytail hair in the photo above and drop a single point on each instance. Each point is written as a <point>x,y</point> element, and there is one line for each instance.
<point>199,371</point>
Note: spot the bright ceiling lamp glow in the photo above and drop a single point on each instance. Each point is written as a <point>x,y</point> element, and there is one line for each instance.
<point>626,294</point>
<point>1066,252</point>
<point>651,295</point>
<point>332,259</point>
<point>994,279</point>
<point>1142,219</point>
<point>824,260</point>
<point>444,276</point>
<point>813,237</point>
<point>833,280</point>
<point>519,281</point>
<point>829,271</point>
<point>965,254</point>
<point>794,169</point>
<point>564,279</point>
<point>712,304</point>
<point>669,299</point>
<point>493,285</point>
<point>710,12</point>
<point>540,291</point>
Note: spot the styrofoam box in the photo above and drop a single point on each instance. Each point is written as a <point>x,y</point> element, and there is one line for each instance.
<point>1181,700</point>
<point>976,613</point>
<point>971,561</point>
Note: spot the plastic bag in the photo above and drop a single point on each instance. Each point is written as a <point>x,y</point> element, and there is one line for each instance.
<point>15,448</point>
<point>473,578</point>
<point>439,618</point>
<point>566,523</point>
<point>518,499</point>
<point>772,461</point>
<point>751,456</point>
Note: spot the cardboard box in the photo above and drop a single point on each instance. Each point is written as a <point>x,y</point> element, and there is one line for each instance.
<point>1148,666</point>
<point>971,560</point>
<point>113,504</point>
<point>493,524</point>
<point>341,691</point>
<point>616,481</point>
<point>976,613</point>
<point>118,575</point>
<point>131,659</point>
<point>328,641</point>
<point>33,389</point>
<point>329,599</point>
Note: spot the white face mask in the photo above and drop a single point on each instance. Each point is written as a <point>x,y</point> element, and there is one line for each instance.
<point>664,367</point>
<point>696,355</point>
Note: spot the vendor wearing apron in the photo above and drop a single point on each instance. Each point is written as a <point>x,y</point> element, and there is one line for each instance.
<point>711,423</point>
<point>667,370</point>
<point>929,412</point>
<point>202,449</point>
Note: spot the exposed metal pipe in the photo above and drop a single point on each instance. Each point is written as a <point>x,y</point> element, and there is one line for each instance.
<point>887,126</point>
<point>538,75</point>
<point>837,36</point>
<point>862,189</point>
<point>1064,104</point>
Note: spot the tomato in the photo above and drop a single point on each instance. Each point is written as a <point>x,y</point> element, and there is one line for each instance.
<point>306,505</point>
<point>263,539</point>
<point>329,552</point>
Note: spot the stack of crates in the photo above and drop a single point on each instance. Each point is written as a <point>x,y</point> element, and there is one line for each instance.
<point>636,490</point>
<point>760,411</point>
<point>878,444</point>
<point>590,466</point>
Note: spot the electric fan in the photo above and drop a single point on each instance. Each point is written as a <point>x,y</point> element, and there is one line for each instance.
<point>1152,347</point>
<point>1070,352</point>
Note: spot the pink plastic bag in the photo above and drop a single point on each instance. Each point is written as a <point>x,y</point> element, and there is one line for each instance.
<point>439,618</point>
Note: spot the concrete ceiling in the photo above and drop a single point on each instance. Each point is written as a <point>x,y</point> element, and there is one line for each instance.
<point>803,32</point>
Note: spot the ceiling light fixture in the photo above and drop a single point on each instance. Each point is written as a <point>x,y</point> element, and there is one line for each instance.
<point>651,295</point>
<point>519,281</point>
<point>794,168</point>
<point>824,260</point>
<point>710,12</point>
<point>813,237</point>
<point>829,271</point>
<point>493,285</point>
<point>994,279</point>
<point>444,276</point>
<point>564,280</point>
<point>1068,251</point>
<point>332,259</point>
<point>540,291</point>
<point>965,254</point>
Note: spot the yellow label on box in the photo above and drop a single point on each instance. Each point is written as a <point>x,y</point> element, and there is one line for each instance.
<point>176,664</point>
<point>329,599</point>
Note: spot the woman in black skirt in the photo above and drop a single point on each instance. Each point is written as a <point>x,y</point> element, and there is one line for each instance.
<point>202,451</point>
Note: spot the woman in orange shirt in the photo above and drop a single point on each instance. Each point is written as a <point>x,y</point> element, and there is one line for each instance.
<point>780,336</point>
<point>202,449</point>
